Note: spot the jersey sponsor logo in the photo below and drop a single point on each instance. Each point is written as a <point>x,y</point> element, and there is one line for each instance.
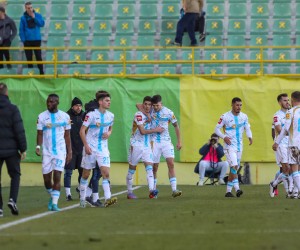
<point>173,117</point>
<point>233,126</point>
<point>98,124</point>
<point>275,119</point>
<point>49,125</point>
<point>139,118</point>
<point>219,122</point>
<point>288,116</point>
<point>86,118</point>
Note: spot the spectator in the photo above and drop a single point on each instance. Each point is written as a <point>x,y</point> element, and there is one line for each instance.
<point>8,31</point>
<point>30,34</point>
<point>12,146</point>
<point>76,115</point>
<point>191,9</point>
<point>212,152</point>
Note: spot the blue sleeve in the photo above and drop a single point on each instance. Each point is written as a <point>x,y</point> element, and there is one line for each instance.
<point>22,30</point>
<point>204,150</point>
<point>39,20</point>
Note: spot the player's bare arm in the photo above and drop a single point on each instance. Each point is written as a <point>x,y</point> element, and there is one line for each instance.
<point>39,142</point>
<point>107,134</point>
<point>144,131</point>
<point>82,134</point>
<point>68,145</point>
<point>177,132</point>
<point>140,107</point>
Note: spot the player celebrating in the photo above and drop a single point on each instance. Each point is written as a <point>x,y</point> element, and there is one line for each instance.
<point>140,148</point>
<point>162,145</point>
<point>281,153</point>
<point>94,133</point>
<point>292,127</point>
<point>53,133</point>
<point>234,123</point>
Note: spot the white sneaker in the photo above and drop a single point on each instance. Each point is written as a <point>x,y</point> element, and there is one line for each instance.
<point>82,203</point>
<point>221,182</point>
<point>271,190</point>
<point>201,183</point>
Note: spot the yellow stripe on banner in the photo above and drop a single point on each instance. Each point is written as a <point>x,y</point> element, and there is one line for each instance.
<point>203,101</point>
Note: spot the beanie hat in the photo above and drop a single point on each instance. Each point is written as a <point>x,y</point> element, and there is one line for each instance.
<point>76,101</point>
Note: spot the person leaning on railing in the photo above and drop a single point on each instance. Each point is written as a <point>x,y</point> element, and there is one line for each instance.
<point>8,31</point>
<point>30,34</point>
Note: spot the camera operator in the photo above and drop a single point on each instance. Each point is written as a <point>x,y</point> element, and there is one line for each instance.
<point>212,152</point>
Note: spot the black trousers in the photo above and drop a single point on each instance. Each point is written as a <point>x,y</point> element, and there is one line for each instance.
<point>37,53</point>
<point>5,53</point>
<point>14,171</point>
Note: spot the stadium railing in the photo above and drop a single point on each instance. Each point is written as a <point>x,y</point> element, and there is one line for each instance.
<point>192,57</point>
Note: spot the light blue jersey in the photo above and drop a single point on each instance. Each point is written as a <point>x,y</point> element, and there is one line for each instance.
<point>98,123</point>
<point>53,126</point>
<point>234,127</point>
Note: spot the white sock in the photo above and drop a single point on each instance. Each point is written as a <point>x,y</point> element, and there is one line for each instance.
<point>173,182</point>
<point>229,187</point>
<point>49,191</point>
<point>279,179</point>
<point>236,185</point>
<point>291,183</point>
<point>55,196</point>
<point>150,177</point>
<point>155,182</point>
<point>286,185</point>
<point>89,191</point>
<point>95,197</point>
<point>129,180</point>
<point>296,179</point>
<point>106,189</point>
<point>68,191</point>
<point>83,186</point>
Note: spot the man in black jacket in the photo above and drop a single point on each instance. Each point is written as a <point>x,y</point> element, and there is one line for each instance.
<point>13,146</point>
<point>76,114</point>
<point>212,152</point>
<point>8,31</point>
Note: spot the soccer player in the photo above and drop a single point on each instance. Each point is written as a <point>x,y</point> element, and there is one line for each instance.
<point>53,134</point>
<point>140,148</point>
<point>162,144</point>
<point>94,133</point>
<point>281,153</point>
<point>292,127</point>
<point>234,123</point>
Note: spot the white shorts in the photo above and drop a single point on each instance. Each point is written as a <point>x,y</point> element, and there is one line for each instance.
<point>162,149</point>
<point>89,161</point>
<point>54,162</point>
<point>281,154</point>
<point>233,157</point>
<point>294,155</point>
<point>137,153</point>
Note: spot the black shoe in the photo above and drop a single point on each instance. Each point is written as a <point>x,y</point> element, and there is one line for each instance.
<point>98,203</point>
<point>229,194</point>
<point>69,198</point>
<point>1,213</point>
<point>89,201</point>
<point>13,207</point>
<point>194,45</point>
<point>239,193</point>
<point>202,37</point>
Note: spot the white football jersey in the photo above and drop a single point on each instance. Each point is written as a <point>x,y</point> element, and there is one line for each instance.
<point>162,118</point>
<point>137,139</point>
<point>98,123</point>
<point>234,127</point>
<point>292,126</point>
<point>53,126</point>
<point>279,119</point>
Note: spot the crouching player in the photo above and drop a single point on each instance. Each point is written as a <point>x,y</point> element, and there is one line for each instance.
<point>140,148</point>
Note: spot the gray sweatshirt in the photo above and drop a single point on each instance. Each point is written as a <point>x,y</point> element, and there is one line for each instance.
<point>8,29</point>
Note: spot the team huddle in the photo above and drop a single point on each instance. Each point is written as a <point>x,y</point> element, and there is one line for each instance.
<point>286,123</point>
<point>149,141</point>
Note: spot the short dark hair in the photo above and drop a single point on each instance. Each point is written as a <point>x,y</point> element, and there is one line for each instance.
<point>280,96</point>
<point>28,3</point>
<point>3,88</point>
<point>2,9</point>
<point>147,99</point>
<point>101,96</point>
<point>53,95</point>
<point>100,92</point>
<point>214,135</point>
<point>296,96</point>
<point>236,99</point>
<point>156,99</point>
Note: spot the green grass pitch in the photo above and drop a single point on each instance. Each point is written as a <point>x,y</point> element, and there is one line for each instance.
<point>202,218</point>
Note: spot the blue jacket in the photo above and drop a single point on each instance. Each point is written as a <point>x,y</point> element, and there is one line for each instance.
<point>31,34</point>
<point>205,149</point>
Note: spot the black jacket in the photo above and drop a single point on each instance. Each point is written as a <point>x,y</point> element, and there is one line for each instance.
<point>76,123</point>
<point>205,149</point>
<point>12,132</point>
<point>8,29</point>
